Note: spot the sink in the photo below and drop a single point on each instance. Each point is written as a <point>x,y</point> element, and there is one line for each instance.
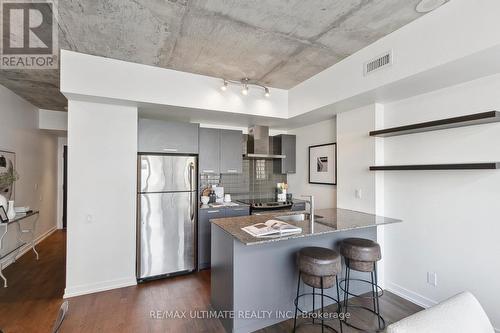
<point>293,218</point>
<point>296,217</point>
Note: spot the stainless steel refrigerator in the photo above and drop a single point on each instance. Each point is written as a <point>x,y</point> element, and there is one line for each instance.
<point>167,209</point>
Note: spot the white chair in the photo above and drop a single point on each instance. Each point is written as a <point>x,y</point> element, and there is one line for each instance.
<point>459,314</point>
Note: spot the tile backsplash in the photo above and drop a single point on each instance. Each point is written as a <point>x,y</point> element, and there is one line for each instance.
<point>256,181</point>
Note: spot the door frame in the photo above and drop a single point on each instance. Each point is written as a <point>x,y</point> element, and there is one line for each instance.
<point>61,142</point>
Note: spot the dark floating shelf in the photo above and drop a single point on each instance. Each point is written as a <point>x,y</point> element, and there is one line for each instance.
<point>462,166</point>
<point>469,120</point>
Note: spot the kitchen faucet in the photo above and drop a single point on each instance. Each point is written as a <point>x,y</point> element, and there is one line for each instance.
<point>311,210</point>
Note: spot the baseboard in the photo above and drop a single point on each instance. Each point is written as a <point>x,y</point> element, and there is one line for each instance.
<point>98,287</point>
<point>410,295</point>
<point>27,248</point>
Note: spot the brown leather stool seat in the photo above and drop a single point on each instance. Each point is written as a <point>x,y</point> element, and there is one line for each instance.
<point>361,254</point>
<point>316,263</point>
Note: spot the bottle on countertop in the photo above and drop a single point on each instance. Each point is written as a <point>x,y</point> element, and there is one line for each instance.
<point>212,196</point>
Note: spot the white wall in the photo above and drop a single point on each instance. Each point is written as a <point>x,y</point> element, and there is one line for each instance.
<point>319,133</point>
<point>52,120</point>
<point>36,160</point>
<point>456,30</point>
<point>102,143</point>
<point>451,218</point>
<point>356,151</point>
<point>359,188</point>
<point>98,77</point>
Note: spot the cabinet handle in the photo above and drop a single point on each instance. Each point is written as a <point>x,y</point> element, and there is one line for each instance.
<point>207,171</point>
<point>170,149</point>
<point>239,209</point>
<point>232,171</point>
<point>213,211</point>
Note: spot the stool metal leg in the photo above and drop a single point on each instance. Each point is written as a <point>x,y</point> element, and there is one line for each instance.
<point>322,322</point>
<point>339,309</point>
<point>296,304</point>
<point>314,304</point>
<point>376,296</point>
<point>347,279</point>
<point>374,291</point>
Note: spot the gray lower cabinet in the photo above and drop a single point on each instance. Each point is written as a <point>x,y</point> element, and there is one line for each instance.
<point>285,144</point>
<point>209,158</point>
<point>204,228</point>
<point>231,151</point>
<point>158,136</point>
<point>204,217</point>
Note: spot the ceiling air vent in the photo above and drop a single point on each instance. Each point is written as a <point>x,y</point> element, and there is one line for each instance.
<point>380,62</point>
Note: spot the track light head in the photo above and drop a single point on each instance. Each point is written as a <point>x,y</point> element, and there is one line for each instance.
<point>244,91</point>
<point>267,93</point>
<point>224,86</point>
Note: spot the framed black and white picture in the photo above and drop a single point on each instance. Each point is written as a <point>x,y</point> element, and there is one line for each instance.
<point>323,164</point>
<point>3,215</point>
<point>7,168</point>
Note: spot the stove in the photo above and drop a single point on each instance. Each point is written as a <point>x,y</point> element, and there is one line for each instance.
<point>266,204</point>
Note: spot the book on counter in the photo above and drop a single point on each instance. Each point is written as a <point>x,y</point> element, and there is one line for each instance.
<point>272,228</point>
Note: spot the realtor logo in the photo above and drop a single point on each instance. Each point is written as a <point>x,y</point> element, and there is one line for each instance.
<point>29,34</point>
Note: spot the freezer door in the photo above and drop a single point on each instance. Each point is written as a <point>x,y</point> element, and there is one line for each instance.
<point>166,233</point>
<point>167,173</point>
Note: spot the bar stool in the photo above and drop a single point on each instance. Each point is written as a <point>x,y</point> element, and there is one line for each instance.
<point>362,255</point>
<point>318,268</point>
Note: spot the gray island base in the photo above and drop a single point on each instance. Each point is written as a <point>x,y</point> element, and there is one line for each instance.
<point>254,280</point>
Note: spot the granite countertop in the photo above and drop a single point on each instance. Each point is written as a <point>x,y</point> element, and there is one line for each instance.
<point>326,221</point>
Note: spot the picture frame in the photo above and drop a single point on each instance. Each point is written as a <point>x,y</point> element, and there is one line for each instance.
<point>8,161</point>
<point>323,164</point>
<point>3,215</point>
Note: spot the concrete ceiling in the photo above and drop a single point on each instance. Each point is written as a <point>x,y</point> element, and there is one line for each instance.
<point>277,43</point>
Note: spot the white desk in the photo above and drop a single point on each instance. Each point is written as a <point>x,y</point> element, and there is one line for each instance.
<point>30,231</point>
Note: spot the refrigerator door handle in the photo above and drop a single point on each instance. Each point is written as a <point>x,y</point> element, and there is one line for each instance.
<point>191,177</point>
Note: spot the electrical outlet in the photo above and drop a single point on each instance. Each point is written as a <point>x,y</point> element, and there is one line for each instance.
<point>89,219</point>
<point>432,279</point>
<point>358,193</point>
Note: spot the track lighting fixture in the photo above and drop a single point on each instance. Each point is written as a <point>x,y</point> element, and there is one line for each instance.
<point>245,86</point>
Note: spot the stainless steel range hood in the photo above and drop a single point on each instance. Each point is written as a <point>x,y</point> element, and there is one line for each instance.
<point>259,144</point>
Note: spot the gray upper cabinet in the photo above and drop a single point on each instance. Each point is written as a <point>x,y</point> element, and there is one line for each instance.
<point>231,151</point>
<point>221,151</point>
<point>285,144</point>
<point>209,159</point>
<point>157,136</point>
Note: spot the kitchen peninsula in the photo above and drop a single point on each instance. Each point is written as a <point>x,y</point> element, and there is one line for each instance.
<point>259,275</point>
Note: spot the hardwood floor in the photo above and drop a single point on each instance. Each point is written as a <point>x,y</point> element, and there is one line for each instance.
<point>35,291</point>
